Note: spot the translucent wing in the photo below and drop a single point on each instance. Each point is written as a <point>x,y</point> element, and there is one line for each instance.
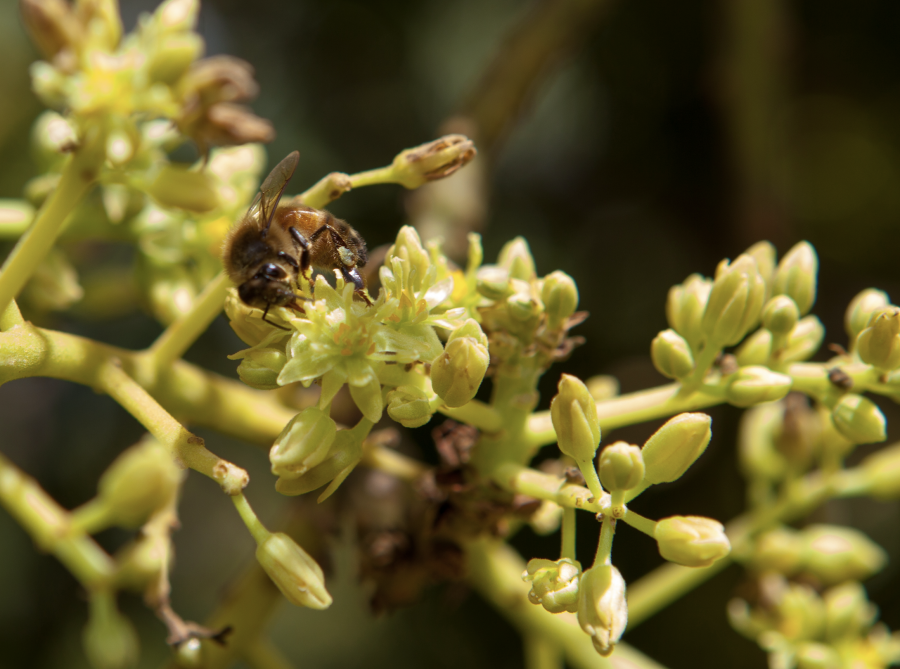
<point>272,189</point>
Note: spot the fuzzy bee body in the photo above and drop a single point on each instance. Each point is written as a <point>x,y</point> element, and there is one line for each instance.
<point>272,246</point>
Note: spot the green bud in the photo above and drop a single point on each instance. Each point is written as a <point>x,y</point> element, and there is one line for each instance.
<point>560,297</point>
<point>675,446</point>
<point>470,328</point>
<point>176,15</point>
<point>139,482</point>
<point>860,311</point>
<point>859,419</point>
<point>691,541</point>
<point>801,612</point>
<point>457,373</point>
<point>110,641</point>
<point>522,305</point>
<point>734,303</point>
<point>882,471</point>
<point>54,285</point>
<point>493,282</point>
<point>173,56</point>
<point>803,341</point>
<point>779,550</point>
<point>554,584</point>
<point>603,387</point>
<point>813,655</point>
<point>52,136</point>
<point>574,415</point>
<point>260,368</point>
<point>303,443</point>
<point>434,160</point>
<point>835,554</point>
<point>796,276</point>
<point>755,349</point>
<point>755,385</point>
<point>409,406</point>
<point>515,257</point>
<point>181,187</point>
<point>764,255</point>
<point>780,315</point>
<point>621,466</point>
<point>51,25</point>
<point>142,561</point>
<point>848,612</point>
<point>293,570</point>
<point>685,306</point>
<point>879,344</point>
<point>345,454</point>
<point>671,355</point>
<point>602,609</point>
<point>246,323</point>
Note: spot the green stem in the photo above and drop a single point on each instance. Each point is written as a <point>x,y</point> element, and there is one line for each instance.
<point>376,456</point>
<point>48,525</point>
<point>477,414</point>
<point>567,549</point>
<point>591,479</point>
<point>605,542</point>
<point>77,177</point>
<point>174,342</point>
<point>623,410</point>
<point>11,317</point>
<point>640,523</point>
<point>257,529</point>
<point>540,653</point>
<point>380,175</point>
<point>186,447</point>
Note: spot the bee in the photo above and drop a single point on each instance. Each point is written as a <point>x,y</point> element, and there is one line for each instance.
<point>272,246</point>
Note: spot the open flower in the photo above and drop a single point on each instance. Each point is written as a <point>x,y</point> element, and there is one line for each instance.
<point>554,583</point>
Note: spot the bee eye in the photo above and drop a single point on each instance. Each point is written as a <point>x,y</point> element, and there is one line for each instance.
<point>271,271</point>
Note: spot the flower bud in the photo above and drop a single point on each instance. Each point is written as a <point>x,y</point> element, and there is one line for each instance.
<point>734,303</point>
<point>470,328</point>
<point>859,419</point>
<point>882,470</point>
<point>602,610</point>
<point>621,467</point>
<point>110,641</point>
<point>183,188</point>
<point>53,135</point>
<point>836,554</point>
<point>250,328</point>
<point>879,344</point>
<point>51,25</point>
<point>814,655</point>
<point>522,304</point>
<point>260,368</point>
<point>176,15</point>
<point>515,257</point>
<point>779,550</point>
<point>457,373</point>
<point>140,481</point>
<point>685,306</point>
<point>764,255</point>
<point>803,341</point>
<point>291,568</point>
<point>860,310</point>
<point>560,297</point>
<point>554,584</point>
<point>172,56</point>
<point>675,446</point>
<point>574,415</point>
<point>409,406</point>
<point>780,315</point>
<point>493,282</point>
<point>801,612</point>
<point>342,458</point>
<point>431,161</point>
<point>671,355</point>
<point>691,541</point>
<point>848,612</point>
<point>303,443</point>
<point>796,276</point>
<point>755,349</point>
<point>142,561</point>
<point>755,385</point>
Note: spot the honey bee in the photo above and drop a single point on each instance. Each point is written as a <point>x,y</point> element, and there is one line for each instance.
<point>272,246</point>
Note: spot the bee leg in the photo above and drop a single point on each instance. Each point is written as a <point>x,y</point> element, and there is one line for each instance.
<point>303,246</point>
<point>352,276</point>
<point>265,312</point>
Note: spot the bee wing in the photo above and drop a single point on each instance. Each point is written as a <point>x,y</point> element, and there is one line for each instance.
<point>272,189</point>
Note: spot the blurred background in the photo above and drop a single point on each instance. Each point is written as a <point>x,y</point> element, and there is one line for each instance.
<point>631,144</point>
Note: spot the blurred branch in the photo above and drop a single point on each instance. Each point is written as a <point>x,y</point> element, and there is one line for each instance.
<point>753,78</point>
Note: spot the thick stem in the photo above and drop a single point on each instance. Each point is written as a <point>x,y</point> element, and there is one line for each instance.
<point>79,174</point>
<point>567,549</point>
